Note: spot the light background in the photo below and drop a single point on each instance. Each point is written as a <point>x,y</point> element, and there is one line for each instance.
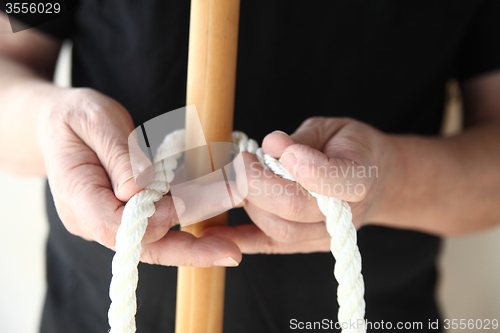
<point>469,266</point>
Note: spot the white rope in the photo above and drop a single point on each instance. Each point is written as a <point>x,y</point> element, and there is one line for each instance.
<point>347,271</point>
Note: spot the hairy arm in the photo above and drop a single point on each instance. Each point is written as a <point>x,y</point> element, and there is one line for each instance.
<point>452,185</point>
<point>443,186</point>
<point>78,138</point>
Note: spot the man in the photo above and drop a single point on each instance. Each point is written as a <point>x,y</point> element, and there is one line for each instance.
<point>384,64</point>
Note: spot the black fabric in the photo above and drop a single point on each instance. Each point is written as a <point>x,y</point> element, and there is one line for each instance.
<point>480,49</point>
<point>382,62</point>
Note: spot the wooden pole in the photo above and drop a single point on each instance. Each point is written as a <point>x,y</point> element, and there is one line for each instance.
<point>213,41</point>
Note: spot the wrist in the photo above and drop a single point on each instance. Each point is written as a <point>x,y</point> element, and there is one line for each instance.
<point>51,99</point>
<point>392,180</point>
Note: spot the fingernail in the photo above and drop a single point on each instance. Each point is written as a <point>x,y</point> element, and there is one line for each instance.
<point>288,159</point>
<point>179,205</point>
<point>123,182</point>
<point>226,262</point>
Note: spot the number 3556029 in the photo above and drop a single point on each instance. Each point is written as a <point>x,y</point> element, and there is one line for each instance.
<point>32,8</point>
<point>471,324</point>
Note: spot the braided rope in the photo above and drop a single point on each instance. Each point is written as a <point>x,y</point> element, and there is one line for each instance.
<point>347,271</point>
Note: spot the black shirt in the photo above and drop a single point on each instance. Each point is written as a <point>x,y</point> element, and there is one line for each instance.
<point>384,62</point>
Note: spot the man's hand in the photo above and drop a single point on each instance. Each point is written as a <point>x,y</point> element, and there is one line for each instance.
<point>79,139</point>
<point>443,186</point>
<point>83,136</point>
<point>335,157</point>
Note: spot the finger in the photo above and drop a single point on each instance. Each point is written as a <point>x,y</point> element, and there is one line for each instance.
<point>251,240</point>
<point>100,213</point>
<point>142,168</point>
<point>100,216</point>
<point>329,176</point>
<point>92,206</point>
<point>271,193</point>
<point>314,132</point>
<point>285,231</point>
<point>165,217</point>
<point>104,125</point>
<point>204,200</point>
<point>80,186</point>
<point>275,143</point>
<point>85,201</point>
<point>179,248</point>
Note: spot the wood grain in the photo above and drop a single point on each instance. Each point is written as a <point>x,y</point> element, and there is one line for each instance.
<point>213,42</point>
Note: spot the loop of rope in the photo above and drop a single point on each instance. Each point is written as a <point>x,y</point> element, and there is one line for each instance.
<point>347,271</point>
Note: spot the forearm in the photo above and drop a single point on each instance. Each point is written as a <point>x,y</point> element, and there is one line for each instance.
<point>23,96</point>
<point>446,186</point>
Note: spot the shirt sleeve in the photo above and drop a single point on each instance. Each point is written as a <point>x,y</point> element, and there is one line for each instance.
<point>61,27</point>
<point>480,49</point>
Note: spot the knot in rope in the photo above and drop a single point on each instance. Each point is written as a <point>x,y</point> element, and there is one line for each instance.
<point>338,219</point>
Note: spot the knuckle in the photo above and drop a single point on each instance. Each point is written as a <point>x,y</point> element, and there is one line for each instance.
<point>84,92</point>
<point>345,143</point>
<point>104,236</point>
<point>198,261</point>
<point>281,231</point>
<point>118,154</point>
<point>202,255</point>
<point>72,228</point>
<point>96,113</point>
<point>97,108</point>
<point>288,206</point>
<point>346,120</point>
<point>314,120</point>
<point>267,246</point>
<point>361,189</point>
<point>68,219</point>
<point>149,257</point>
<point>86,98</point>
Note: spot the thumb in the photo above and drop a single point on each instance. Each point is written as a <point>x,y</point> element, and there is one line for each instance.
<point>130,170</point>
<point>128,167</point>
<point>314,132</point>
<point>318,173</point>
<point>107,128</point>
